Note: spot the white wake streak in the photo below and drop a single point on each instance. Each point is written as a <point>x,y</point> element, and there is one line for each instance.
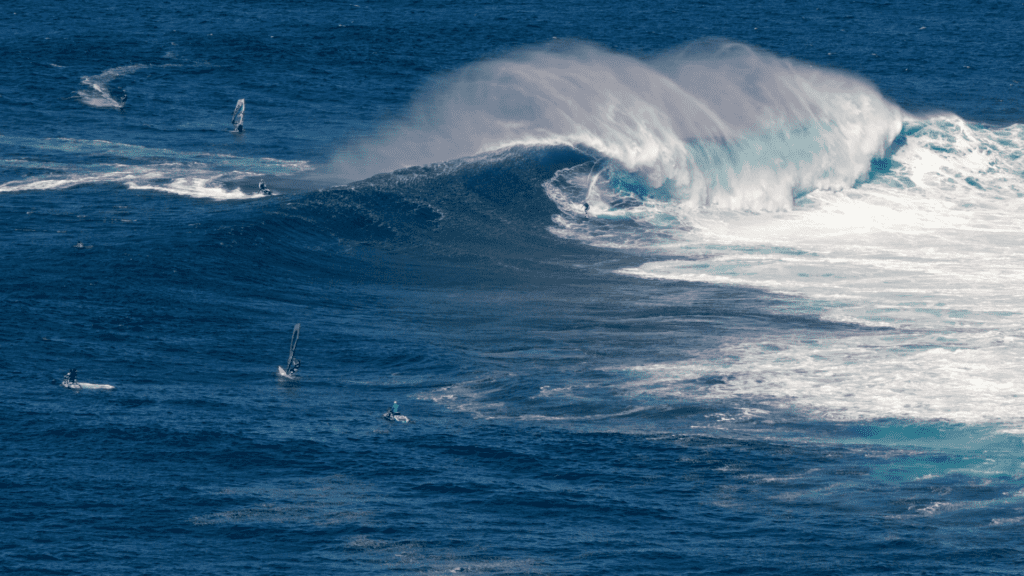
<point>194,174</point>
<point>97,92</point>
<point>172,178</point>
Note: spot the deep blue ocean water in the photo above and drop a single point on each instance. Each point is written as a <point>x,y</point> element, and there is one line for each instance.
<point>684,288</point>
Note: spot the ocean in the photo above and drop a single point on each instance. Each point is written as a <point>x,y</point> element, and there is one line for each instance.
<point>661,288</point>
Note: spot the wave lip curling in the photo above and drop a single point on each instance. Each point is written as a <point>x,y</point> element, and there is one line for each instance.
<point>725,124</point>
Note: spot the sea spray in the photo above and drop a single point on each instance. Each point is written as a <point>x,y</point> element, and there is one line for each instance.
<point>724,124</point>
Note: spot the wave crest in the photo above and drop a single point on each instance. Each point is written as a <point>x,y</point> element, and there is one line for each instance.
<point>724,124</point>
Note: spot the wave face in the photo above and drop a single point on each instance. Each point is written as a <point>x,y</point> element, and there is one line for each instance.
<point>714,124</point>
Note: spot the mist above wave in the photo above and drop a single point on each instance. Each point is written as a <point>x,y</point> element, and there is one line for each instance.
<point>724,124</point>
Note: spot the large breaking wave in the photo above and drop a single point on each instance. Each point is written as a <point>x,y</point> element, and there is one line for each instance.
<point>713,124</point>
<point>906,235</point>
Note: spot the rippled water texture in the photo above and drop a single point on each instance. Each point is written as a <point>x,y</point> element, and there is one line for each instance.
<point>706,288</point>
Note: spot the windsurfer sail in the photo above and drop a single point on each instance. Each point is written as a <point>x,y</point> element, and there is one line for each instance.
<point>237,117</point>
<point>291,369</point>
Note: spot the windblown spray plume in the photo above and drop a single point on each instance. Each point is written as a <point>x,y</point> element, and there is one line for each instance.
<point>721,123</point>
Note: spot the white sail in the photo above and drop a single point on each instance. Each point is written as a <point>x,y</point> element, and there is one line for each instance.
<point>236,118</point>
<point>291,350</point>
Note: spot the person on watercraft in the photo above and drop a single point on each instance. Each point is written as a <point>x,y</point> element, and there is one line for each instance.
<point>294,368</point>
<point>71,378</point>
<point>393,411</point>
<point>263,188</point>
<point>586,209</point>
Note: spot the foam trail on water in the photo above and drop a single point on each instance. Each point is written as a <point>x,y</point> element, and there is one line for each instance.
<point>196,174</point>
<point>172,178</point>
<point>713,124</point>
<point>97,92</point>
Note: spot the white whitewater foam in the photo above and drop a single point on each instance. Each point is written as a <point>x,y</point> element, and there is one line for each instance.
<point>91,386</point>
<point>198,187</point>
<point>198,184</point>
<point>718,123</point>
<point>930,249</point>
